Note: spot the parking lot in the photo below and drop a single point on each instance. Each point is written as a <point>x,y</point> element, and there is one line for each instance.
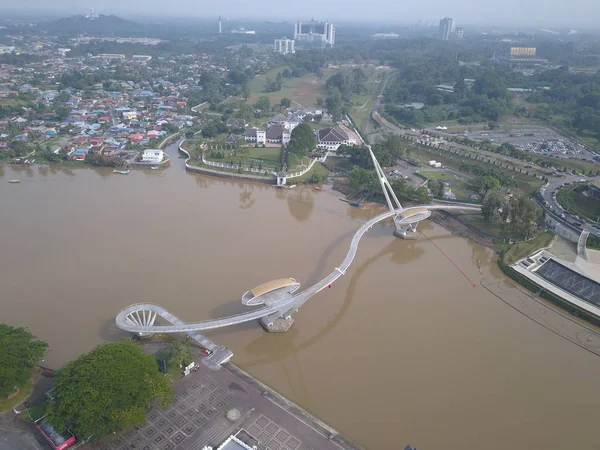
<point>537,140</point>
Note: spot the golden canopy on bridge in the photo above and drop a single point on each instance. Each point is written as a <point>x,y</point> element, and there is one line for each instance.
<point>413,215</point>
<point>252,296</point>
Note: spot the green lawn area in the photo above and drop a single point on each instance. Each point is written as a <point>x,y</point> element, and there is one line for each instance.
<point>443,176</point>
<point>576,165</point>
<point>6,403</point>
<point>526,186</point>
<point>269,157</point>
<point>318,168</point>
<point>12,102</point>
<point>303,90</point>
<point>461,190</point>
<point>575,202</point>
<point>523,249</point>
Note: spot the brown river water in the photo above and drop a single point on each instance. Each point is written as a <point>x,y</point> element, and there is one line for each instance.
<point>400,350</point>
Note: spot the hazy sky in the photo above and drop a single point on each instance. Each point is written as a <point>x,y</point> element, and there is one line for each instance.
<point>538,13</point>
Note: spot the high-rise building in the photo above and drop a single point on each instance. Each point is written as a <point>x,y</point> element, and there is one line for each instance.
<point>284,46</point>
<point>220,29</point>
<point>314,34</point>
<point>446,28</point>
<point>459,33</point>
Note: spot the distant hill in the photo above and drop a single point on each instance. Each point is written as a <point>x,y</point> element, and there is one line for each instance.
<point>101,26</point>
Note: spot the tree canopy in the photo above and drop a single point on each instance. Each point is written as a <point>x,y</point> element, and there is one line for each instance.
<point>302,140</point>
<point>107,390</point>
<point>19,350</point>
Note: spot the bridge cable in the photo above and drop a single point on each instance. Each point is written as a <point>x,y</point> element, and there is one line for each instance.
<point>450,259</point>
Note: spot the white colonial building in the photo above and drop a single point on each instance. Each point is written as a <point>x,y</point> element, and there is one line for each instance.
<point>256,136</point>
<point>332,138</point>
<point>152,156</point>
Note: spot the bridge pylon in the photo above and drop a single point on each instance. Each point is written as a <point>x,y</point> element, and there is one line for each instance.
<point>401,230</point>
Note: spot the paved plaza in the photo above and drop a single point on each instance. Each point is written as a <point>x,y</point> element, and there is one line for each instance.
<point>197,418</point>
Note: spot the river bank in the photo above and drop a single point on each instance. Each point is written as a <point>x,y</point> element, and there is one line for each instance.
<point>402,327</point>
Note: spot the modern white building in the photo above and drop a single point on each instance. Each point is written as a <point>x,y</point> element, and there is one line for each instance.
<point>284,46</point>
<point>152,156</point>
<point>314,34</point>
<point>446,28</point>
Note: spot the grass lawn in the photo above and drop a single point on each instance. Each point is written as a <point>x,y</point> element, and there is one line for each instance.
<point>461,191</point>
<point>443,176</point>
<point>303,90</point>
<point>576,165</point>
<point>317,168</point>
<point>8,403</point>
<point>338,164</point>
<point>526,186</point>
<point>523,249</point>
<point>269,157</point>
<point>12,102</point>
<point>572,199</point>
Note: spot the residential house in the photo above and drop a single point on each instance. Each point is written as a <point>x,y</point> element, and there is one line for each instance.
<point>331,138</point>
<point>78,155</point>
<point>236,123</point>
<point>232,139</point>
<point>136,137</point>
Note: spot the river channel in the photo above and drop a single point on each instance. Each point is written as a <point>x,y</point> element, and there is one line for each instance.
<point>401,350</point>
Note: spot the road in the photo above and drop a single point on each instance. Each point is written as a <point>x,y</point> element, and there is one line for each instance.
<point>551,205</point>
<point>548,202</point>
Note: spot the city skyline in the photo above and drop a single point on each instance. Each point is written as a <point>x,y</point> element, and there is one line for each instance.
<point>579,13</point>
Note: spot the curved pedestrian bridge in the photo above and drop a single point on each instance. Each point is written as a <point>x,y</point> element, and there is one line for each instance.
<point>277,296</point>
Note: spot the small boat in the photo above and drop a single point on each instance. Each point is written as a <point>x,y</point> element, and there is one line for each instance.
<point>14,181</point>
<point>317,188</point>
<point>154,168</point>
<point>122,172</point>
<point>355,204</point>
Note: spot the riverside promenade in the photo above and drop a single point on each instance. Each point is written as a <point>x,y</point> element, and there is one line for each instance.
<point>211,406</point>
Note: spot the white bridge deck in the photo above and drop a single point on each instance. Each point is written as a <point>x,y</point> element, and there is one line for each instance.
<point>283,307</point>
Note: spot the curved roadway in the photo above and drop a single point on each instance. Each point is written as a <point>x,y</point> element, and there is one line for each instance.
<point>284,307</point>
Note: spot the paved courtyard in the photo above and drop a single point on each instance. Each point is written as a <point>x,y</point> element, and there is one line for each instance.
<point>197,418</point>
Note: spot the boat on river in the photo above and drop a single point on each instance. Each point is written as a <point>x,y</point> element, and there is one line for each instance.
<point>122,171</point>
<point>14,181</point>
<point>154,168</point>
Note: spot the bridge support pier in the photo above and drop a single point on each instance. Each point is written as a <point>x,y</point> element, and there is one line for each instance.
<point>277,324</point>
<point>408,231</point>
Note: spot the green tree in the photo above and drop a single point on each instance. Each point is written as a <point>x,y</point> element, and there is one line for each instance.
<point>360,178</point>
<point>179,353</point>
<point>62,113</point>
<point>107,390</point>
<point>489,183</point>
<point>19,148</point>
<point>19,350</point>
<point>263,104</point>
<point>302,140</point>
<point>491,205</point>
<point>245,91</point>
<point>285,102</point>
<point>334,104</point>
